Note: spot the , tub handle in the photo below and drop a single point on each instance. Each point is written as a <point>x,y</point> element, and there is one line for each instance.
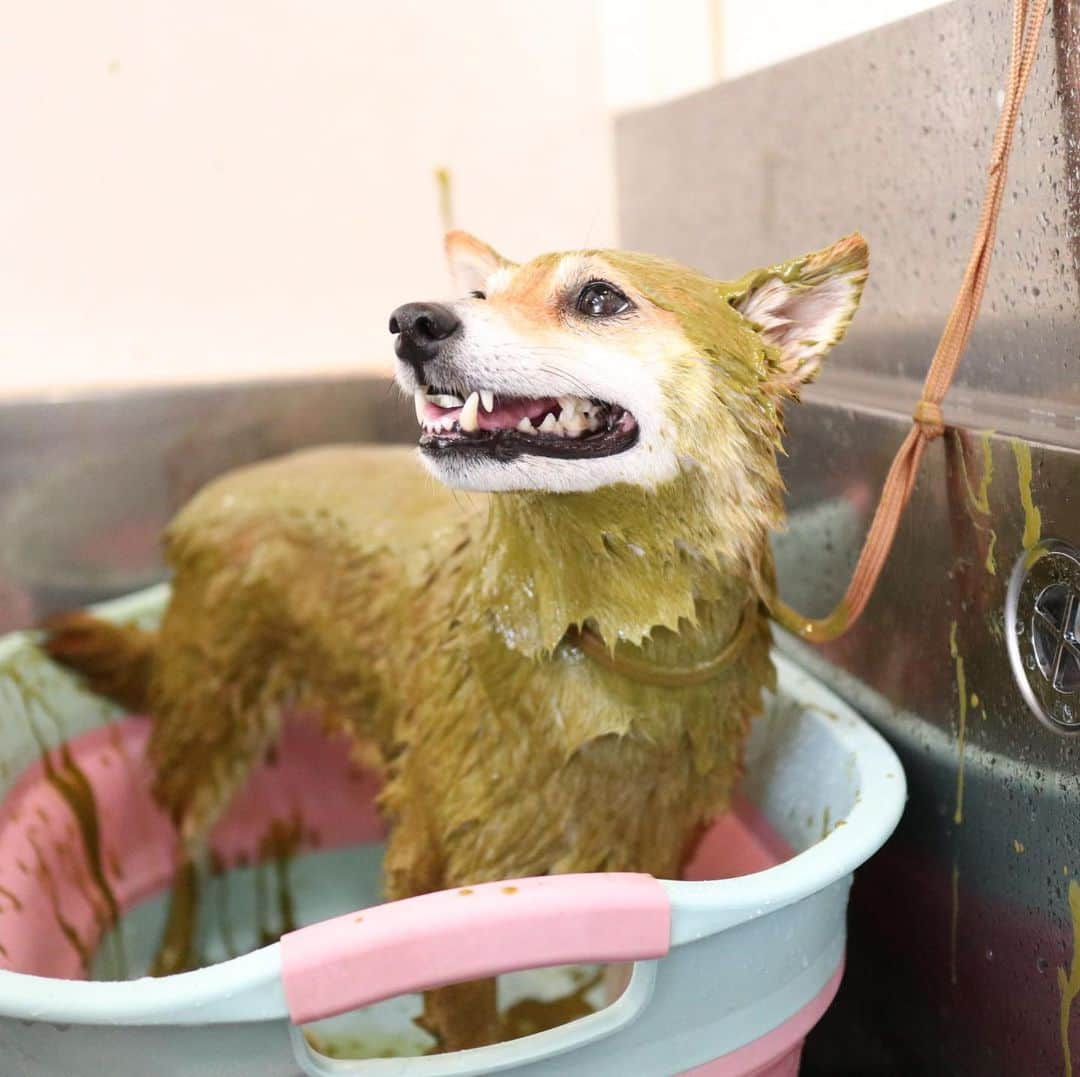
<point>470,933</point>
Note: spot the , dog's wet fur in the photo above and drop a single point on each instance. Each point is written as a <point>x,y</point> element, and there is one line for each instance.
<point>433,625</point>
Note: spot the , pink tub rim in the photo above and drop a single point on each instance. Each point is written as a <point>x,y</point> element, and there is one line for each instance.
<point>769,920</point>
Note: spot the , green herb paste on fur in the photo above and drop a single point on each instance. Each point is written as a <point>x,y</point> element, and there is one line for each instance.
<point>441,629</point>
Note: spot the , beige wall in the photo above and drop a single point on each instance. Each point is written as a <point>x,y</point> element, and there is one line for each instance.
<point>206,190</point>
<point>201,190</point>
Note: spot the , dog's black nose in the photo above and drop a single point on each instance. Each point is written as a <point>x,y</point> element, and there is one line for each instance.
<point>421,329</point>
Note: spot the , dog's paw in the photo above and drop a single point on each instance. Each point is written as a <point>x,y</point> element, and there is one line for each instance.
<point>461,1016</point>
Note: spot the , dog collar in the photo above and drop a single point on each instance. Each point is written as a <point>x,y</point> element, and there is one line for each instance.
<point>644,672</point>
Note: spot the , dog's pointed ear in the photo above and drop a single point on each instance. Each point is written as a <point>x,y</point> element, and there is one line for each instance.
<point>471,261</point>
<point>803,307</point>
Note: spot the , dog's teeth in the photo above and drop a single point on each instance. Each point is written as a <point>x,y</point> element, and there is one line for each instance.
<point>574,417</point>
<point>468,420</point>
<point>446,400</point>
